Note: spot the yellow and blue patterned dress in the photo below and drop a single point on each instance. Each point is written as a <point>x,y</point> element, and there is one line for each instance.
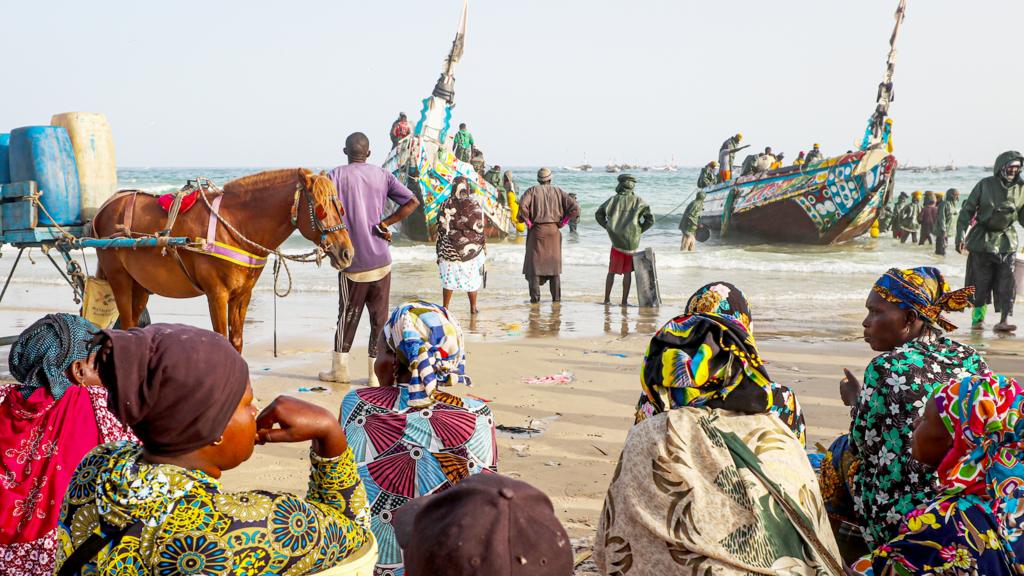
<point>182,523</point>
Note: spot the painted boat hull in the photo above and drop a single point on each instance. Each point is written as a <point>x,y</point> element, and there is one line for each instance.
<point>829,202</point>
<point>428,169</point>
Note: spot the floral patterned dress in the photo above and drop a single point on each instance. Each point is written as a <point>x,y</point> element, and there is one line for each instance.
<point>37,456</point>
<point>886,482</point>
<point>180,522</point>
<point>953,535</point>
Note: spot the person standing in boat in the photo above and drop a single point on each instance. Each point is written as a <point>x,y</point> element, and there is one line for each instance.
<point>909,213</point>
<point>708,175</point>
<point>625,216</point>
<point>399,129</point>
<point>800,159</point>
<point>765,160</point>
<point>814,155</point>
<point>945,223</point>
<point>544,209</point>
<point>691,221</point>
<point>463,144</point>
<point>364,191</point>
<point>994,204</point>
<point>493,176</point>
<point>727,154</point>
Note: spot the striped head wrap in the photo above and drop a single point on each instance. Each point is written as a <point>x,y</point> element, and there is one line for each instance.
<point>923,290</point>
<point>44,351</point>
<point>427,339</point>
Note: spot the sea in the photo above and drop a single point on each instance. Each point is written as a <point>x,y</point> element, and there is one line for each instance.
<point>796,291</point>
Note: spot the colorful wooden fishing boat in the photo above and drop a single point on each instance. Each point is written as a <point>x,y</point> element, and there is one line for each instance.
<point>831,201</point>
<point>834,200</point>
<point>424,161</point>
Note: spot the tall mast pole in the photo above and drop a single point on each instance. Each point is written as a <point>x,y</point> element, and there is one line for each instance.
<point>877,131</point>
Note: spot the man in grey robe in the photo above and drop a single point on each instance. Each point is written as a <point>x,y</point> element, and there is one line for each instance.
<point>545,209</point>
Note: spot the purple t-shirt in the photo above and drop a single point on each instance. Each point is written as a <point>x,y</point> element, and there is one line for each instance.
<point>364,190</point>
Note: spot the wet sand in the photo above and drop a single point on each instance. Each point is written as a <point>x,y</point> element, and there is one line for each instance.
<point>586,420</point>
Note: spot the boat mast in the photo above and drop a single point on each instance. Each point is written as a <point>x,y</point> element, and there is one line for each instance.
<point>879,125</point>
<point>436,113</point>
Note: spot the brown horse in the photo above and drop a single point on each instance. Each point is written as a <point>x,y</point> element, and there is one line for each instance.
<point>265,208</point>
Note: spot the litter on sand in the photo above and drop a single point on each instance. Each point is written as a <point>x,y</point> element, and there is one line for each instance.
<point>564,377</point>
<point>615,354</point>
<point>313,389</point>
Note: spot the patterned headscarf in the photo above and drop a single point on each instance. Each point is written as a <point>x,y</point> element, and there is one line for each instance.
<point>428,341</point>
<point>721,299</point>
<point>44,351</point>
<point>925,291</point>
<point>708,358</point>
<point>983,413</point>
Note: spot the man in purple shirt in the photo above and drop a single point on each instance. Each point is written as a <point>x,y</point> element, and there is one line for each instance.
<point>364,191</point>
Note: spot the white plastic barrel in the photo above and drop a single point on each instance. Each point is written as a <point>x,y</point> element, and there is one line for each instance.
<point>93,143</point>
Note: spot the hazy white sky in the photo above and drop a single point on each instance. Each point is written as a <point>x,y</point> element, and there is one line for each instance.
<point>270,83</point>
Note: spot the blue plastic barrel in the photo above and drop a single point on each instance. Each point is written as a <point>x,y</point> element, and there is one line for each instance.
<point>5,165</point>
<point>44,154</point>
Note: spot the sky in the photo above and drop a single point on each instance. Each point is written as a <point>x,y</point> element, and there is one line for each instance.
<point>262,83</point>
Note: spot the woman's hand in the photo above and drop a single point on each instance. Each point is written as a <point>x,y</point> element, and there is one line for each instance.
<point>849,388</point>
<point>289,419</point>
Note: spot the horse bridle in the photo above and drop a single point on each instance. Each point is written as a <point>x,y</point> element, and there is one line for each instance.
<point>316,220</point>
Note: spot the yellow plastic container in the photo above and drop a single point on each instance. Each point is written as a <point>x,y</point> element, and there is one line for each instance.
<point>93,143</point>
<point>99,306</point>
<point>359,564</point>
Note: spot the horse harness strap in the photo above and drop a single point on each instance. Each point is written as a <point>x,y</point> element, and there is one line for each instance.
<point>233,254</point>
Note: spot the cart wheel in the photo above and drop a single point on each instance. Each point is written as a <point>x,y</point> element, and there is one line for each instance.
<point>144,320</point>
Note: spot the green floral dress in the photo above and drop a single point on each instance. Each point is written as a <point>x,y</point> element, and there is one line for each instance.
<point>888,483</point>
<point>181,523</point>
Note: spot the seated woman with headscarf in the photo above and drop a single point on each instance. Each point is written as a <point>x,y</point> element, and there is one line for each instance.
<point>868,478</point>
<point>409,437</point>
<point>159,508</point>
<point>972,432</point>
<point>713,478</point>
<point>52,417</point>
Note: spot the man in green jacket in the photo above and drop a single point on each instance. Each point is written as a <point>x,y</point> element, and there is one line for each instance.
<point>493,176</point>
<point>463,145</point>
<point>995,204</point>
<point>946,222</point>
<point>909,224</point>
<point>901,201</point>
<point>708,175</point>
<point>625,216</point>
<point>691,221</point>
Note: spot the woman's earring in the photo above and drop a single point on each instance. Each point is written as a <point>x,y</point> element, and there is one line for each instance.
<point>219,441</point>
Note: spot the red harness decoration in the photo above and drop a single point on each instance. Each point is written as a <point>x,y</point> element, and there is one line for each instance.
<point>166,200</point>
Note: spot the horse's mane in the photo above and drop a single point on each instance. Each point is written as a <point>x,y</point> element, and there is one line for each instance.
<point>262,181</point>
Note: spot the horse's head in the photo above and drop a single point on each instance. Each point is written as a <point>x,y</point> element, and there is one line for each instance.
<point>318,215</point>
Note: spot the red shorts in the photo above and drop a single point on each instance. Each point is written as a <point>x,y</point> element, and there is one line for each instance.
<point>620,262</point>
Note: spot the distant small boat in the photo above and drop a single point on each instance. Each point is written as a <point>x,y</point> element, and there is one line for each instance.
<point>612,168</point>
<point>580,168</point>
